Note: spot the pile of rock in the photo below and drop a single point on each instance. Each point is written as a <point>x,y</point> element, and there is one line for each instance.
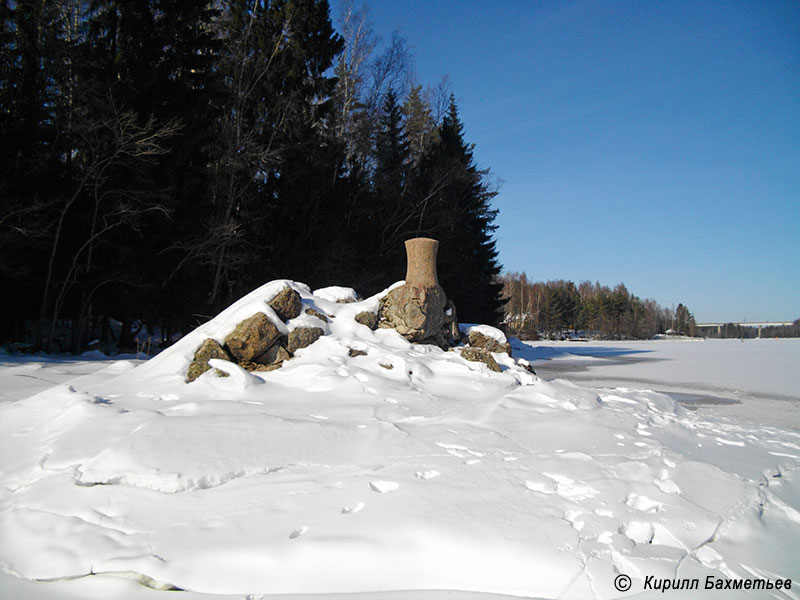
<point>418,310</point>
<point>256,343</point>
<point>480,349</point>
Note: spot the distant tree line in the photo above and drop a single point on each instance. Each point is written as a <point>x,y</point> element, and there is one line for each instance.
<point>735,330</point>
<point>161,158</point>
<point>554,308</point>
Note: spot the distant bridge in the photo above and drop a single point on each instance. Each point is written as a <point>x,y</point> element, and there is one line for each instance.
<point>759,324</point>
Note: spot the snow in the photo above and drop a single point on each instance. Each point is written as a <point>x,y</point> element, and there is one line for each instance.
<point>337,293</point>
<point>407,468</point>
<point>757,379</point>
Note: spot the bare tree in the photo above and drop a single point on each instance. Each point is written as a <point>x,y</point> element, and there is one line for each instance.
<point>109,142</point>
<point>364,78</point>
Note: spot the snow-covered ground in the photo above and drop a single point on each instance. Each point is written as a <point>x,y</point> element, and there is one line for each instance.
<point>756,380</point>
<point>401,473</point>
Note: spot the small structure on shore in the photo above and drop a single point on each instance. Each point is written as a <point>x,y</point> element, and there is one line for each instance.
<point>419,309</point>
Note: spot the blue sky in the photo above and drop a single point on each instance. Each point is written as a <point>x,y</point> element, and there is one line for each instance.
<point>651,143</point>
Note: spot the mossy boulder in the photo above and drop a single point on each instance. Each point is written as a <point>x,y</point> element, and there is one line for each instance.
<point>286,304</point>
<point>302,337</point>
<point>251,366</point>
<point>252,337</point>
<point>316,313</point>
<point>480,340</point>
<point>208,349</point>
<point>368,318</point>
<point>416,313</point>
<point>275,355</point>
<point>480,355</point>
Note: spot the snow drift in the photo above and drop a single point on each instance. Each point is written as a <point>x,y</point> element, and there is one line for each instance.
<point>404,468</point>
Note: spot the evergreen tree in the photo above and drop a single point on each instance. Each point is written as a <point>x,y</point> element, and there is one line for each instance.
<point>389,215</point>
<point>454,200</point>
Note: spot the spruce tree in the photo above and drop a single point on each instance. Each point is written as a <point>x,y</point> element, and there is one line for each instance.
<point>454,199</point>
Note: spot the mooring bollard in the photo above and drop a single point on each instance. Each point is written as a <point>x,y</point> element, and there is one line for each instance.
<point>421,267</point>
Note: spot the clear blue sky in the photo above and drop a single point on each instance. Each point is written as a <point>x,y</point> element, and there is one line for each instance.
<point>651,143</point>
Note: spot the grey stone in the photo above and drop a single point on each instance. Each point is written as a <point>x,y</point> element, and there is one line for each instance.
<point>251,366</point>
<point>252,337</point>
<point>479,340</point>
<point>274,356</point>
<point>451,330</point>
<point>480,355</point>
<point>316,313</point>
<point>208,349</point>
<point>303,337</point>
<point>416,313</point>
<point>286,304</point>
<point>368,318</point>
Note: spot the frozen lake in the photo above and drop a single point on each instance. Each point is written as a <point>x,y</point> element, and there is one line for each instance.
<point>757,380</point>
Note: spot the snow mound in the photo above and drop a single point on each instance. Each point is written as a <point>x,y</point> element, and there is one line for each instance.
<point>368,464</point>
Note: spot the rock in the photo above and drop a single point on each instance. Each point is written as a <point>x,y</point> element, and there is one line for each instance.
<point>207,350</point>
<point>274,356</point>
<point>479,340</point>
<point>316,313</point>
<point>452,331</point>
<point>251,366</point>
<point>286,304</point>
<point>416,313</point>
<point>352,353</point>
<point>525,365</point>
<point>368,318</point>
<point>252,337</point>
<point>303,337</point>
<point>480,355</point>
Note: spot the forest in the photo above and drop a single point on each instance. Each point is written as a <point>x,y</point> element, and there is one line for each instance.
<point>162,158</point>
<point>554,308</point>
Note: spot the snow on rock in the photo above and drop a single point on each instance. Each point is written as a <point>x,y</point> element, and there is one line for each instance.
<point>367,464</point>
<point>336,293</point>
<point>487,330</point>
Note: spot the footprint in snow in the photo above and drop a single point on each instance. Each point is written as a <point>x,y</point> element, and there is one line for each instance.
<point>667,486</point>
<point>349,510</point>
<point>573,517</point>
<point>643,503</point>
<point>383,487</point>
<point>426,474</point>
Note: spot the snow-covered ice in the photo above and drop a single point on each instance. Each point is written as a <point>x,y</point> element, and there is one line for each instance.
<point>756,379</point>
<point>400,473</point>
